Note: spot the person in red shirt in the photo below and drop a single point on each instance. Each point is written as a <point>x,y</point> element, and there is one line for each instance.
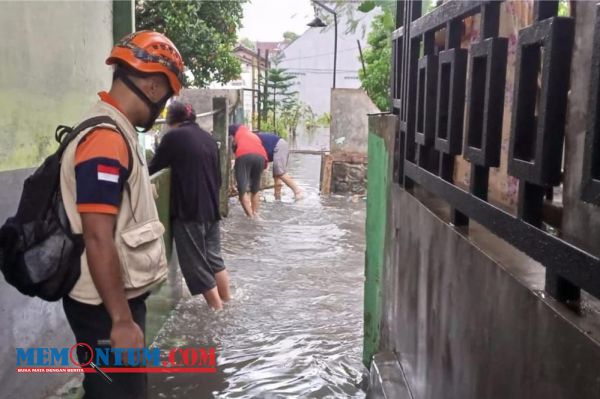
<point>250,161</point>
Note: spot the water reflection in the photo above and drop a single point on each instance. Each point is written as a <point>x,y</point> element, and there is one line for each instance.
<point>294,327</point>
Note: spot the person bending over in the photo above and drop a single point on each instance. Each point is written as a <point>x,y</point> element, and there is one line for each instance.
<point>250,161</point>
<point>193,156</point>
<point>278,152</point>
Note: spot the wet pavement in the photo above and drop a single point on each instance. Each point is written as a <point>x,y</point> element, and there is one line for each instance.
<point>294,326</point>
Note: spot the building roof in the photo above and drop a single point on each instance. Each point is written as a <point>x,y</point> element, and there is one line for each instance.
<point>248,56</point>
<point>273,47</point>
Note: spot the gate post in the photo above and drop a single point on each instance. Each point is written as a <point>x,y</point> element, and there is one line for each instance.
<point>382,130</point>
<point>220,132</point>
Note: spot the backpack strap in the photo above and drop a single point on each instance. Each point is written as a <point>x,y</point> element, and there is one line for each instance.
<point>105,120</point>
<point>87,124</point>
<point>65,134</point>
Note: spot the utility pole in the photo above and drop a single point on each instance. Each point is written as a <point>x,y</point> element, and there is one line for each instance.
<point>265,86</point>
<point>274,107</point>
<point>257,88</point>
<point>318,23</point>
<point>253,92</point>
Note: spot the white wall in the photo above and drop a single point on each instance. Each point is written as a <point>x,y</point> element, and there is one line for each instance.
<point>52,65</point>
<point>244,82</point>
<point>310,58</point>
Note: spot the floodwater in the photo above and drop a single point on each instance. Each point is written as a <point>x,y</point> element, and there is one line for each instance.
<point>294,326</point>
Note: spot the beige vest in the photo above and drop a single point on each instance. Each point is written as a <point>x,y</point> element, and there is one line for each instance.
<point>138,233</point>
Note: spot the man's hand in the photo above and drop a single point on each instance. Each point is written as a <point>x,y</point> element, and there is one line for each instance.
<point>126,334</point>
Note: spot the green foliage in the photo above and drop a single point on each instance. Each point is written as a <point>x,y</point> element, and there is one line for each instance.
<point>279,102</point>
<point>248,43</point>
<point>287,120</point>
<point>277,89</point>
<point>312,122</point>
<point>311,125</point>
<point>290,36</point>
<point>293,111</point>
<point>564,9</point>
<point>347,11</point>
<point>429,5</point>
<point>376,76</point>
<point>205,32</point>
<point>376,79</point>
<point>279,128</point>
<point>324,119</point>
<point>366,6</point>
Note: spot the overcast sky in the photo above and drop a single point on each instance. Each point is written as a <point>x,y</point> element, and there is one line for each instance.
<point>266,20</point>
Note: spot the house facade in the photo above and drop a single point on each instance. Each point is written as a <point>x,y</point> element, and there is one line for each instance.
<point>251,64</point>
<point>310,59</point>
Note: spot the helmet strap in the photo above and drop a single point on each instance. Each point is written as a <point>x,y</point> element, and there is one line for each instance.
<point>154,107</point>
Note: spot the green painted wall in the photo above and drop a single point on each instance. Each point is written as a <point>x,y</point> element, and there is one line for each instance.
<point>220,132</point>
<point>52,68</point>
<point>163,300</point>
<point>378,186</point>
<point>123,18</point>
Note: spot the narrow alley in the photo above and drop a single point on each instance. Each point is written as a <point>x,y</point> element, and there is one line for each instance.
<point>437,236</point>
<point>294,327</point>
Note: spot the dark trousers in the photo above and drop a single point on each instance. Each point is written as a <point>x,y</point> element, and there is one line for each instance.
<point>199,252</point>
<point>91,323</point>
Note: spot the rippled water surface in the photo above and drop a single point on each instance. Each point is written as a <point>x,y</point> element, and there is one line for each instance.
<point>294,327</point>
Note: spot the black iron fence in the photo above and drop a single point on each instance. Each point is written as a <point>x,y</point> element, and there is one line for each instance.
<point>435,85</point>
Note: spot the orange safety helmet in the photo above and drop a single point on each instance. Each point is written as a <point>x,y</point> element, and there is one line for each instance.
<point>150,52</point>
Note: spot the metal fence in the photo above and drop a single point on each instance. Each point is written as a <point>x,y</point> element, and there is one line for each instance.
<point>450,102</point>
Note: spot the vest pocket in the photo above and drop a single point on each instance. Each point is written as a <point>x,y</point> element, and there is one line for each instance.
<point>142,254</point>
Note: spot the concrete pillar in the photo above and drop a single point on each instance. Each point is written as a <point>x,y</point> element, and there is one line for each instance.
<point>382,129</point>
<point>221,134</point>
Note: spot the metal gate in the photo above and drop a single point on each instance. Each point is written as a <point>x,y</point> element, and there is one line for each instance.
<point>450,102</point>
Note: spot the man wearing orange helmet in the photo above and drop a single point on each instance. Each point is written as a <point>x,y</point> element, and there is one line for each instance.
<point>107,195</point>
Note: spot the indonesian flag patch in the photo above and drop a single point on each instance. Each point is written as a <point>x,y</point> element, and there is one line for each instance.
<point>108,173</point>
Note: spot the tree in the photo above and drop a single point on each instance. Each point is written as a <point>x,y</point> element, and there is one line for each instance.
<point>289,36</point>
<point>277,89</point>
<point>248,43</point>
<point>203,31</point>
<point>375,78</point>
<point>564,8</point>
<point>277,96</point>
<point>291,113</point>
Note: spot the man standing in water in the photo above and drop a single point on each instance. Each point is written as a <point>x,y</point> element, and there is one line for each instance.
<point>250,161</point>
<point>193,156</point>
<point>278,153</point>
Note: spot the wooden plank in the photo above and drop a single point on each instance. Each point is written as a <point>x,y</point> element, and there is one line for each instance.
<point>326,168</point>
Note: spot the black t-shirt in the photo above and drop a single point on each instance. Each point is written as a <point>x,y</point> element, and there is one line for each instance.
<point>193,156</point>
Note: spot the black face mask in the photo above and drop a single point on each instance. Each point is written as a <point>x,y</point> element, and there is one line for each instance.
<point>153,107</point>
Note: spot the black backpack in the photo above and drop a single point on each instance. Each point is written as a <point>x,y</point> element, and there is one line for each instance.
<point>39,254</point>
